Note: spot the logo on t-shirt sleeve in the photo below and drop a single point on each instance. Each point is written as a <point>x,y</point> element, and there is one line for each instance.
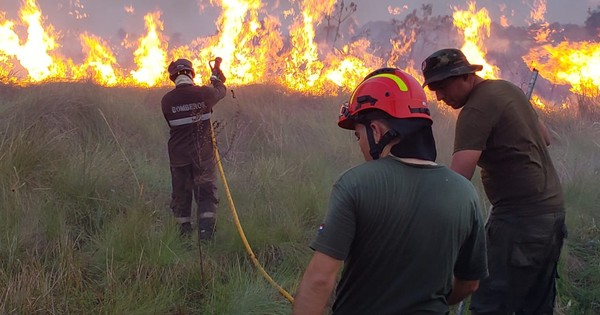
<point>321,229</point>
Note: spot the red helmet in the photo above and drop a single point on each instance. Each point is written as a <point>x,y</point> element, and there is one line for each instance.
<point>390,90</point>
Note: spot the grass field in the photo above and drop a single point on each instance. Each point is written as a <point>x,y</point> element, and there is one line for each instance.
<point>84,192</point>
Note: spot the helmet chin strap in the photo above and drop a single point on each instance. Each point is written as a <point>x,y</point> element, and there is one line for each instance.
<point>375,149</point>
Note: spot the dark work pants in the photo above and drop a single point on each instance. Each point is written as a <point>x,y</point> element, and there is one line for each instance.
<point>523,252</point>
<point>195,181</point>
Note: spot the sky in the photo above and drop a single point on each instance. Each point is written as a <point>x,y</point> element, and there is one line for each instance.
<point>191,19</point>
<point>561,11</point>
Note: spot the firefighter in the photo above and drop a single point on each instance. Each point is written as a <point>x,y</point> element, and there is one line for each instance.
<point>188,109</point>
<point>498,130</point>
<point>408,232</point>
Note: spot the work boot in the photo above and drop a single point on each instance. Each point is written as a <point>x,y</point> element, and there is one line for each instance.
<point>206,229</point>
<point>185,229</point>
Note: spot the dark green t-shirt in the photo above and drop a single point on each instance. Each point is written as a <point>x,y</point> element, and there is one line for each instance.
<point>402,230</point>
<point>516,169</point>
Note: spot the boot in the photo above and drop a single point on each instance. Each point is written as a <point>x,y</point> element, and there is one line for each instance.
<point>185,229</point>
<point>206,229</point>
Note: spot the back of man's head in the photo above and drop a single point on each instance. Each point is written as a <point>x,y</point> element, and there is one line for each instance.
<point>181,67</point>
<point>397,98</point>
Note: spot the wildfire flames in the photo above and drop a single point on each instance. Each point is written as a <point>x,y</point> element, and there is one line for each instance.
<point>475,26</point>
<point>575,64</point>
<point>255,50</point>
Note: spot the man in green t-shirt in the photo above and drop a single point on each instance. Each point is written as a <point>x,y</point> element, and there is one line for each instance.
<point>498,130</point>
<point>408,232</point>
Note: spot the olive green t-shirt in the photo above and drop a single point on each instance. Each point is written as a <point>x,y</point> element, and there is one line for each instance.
<point>516,169</point>
<point>402,230</point>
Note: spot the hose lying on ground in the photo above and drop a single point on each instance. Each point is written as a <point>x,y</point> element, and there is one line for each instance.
<point>238,225</point>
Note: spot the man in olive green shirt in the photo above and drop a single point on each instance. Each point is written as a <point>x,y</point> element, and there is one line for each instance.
<point>499,131</point>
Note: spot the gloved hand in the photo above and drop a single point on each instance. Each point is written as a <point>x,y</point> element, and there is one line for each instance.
<point>217,74</point>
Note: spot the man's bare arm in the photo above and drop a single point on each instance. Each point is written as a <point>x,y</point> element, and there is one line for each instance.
<point>464,162</point>
<point>461,289</point>
<point>316,285</point>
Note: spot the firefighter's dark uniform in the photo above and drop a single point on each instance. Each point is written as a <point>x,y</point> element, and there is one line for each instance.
<point>187,109</point>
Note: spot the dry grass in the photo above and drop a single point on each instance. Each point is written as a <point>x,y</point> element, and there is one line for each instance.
<point>84,192</point>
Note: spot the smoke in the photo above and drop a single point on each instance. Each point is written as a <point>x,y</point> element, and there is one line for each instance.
<point>504,48</point>
<point>109,19</point>
<point>188,20</point>
<point>193,19</point>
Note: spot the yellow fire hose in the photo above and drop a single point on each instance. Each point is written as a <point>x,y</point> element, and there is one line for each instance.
<point>238,225</point>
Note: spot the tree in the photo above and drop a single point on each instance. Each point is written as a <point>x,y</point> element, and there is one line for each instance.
<point>407,32</point>
<point>340,13</point>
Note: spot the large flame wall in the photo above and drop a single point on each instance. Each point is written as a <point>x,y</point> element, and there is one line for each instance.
<point>256,49</point>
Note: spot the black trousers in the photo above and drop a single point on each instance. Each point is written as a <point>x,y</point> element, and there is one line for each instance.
<point>194,181</point>
<point>523,253</point>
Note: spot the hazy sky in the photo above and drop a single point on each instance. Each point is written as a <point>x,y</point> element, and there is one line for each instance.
<point>197,18</point>
<point>562,11</point>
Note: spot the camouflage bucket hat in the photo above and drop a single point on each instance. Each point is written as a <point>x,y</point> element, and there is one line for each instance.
<point>445,63</point>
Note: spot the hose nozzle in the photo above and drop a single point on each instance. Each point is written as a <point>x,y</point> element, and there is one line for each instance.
<point>215,64</point>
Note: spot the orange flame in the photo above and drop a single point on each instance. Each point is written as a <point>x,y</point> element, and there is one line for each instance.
<point>537,101</point>
<point>303,67</point>
<point>254,50</point>
<point>402,45</point>
<point>537,16</point>
<point>475,26</point>
<point>538,11</point>
<point>34,55</point>
<point>503,18</point>
<point>239,24</point>
<point>100,61</point>
<point>251,45</point>
<point>151,56</point>
<point>572,63</point>
<point>349,70</point>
